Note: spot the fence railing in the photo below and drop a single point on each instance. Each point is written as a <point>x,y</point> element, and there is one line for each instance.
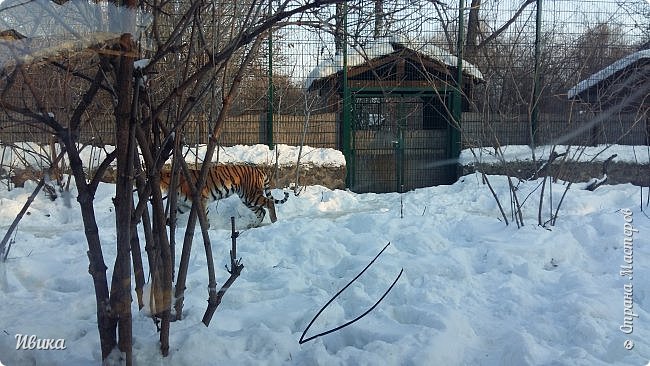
<point>623,129</point>
<point>323,130</point>
<point>317,130</point>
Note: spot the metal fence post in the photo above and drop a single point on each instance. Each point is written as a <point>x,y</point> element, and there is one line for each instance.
<point>457,106</point>
<point>269,111</point>
<point>536,77</point>
<point>347,106</point>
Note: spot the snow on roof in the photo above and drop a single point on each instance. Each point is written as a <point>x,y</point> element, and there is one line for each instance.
<point>607,72</point>
<point>384,46</point>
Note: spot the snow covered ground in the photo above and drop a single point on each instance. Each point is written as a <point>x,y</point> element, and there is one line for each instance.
<point>474,291</point>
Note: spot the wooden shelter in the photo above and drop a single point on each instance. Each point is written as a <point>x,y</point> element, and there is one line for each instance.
<point>624,85</point>
<point>621,88</point>
<point>401,113</point>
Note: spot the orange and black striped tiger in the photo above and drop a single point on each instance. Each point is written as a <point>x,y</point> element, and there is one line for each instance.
<point>250,183</point>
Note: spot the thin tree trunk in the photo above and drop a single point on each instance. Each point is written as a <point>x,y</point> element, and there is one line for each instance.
<point>158,250</point>
<point>235,270</point>
<point>138,271</point>
<point>97,267</point>
<point>379,18</point>
<point>125,147</point>
<point>191,222</point>
<point>473,30</point>
<point>141,214</point>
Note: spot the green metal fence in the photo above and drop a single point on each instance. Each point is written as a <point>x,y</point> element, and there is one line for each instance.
<point>520,67</point>
<point>382,82</point>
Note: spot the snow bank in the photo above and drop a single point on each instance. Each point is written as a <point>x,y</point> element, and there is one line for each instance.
<point>262,155</point>
<point>35,156</point>
<point>512,153</point>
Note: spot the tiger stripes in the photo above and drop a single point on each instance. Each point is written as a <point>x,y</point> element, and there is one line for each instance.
<point>250,183</point>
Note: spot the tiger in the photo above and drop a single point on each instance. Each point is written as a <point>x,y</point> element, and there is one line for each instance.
<point>250,183</point>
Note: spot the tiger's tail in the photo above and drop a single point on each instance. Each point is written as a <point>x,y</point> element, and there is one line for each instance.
<point>267,193</point>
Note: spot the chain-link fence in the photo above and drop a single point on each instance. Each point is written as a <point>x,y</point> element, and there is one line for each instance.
<point>379,80</point>
<point>561,72</point>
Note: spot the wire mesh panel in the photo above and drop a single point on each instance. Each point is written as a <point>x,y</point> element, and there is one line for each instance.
<point>557,75</point>
<point>376,139</point>
<point>531,72</point>
<point>399,144</point>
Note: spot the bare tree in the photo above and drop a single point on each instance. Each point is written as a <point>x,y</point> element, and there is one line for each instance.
<point>197,52</point>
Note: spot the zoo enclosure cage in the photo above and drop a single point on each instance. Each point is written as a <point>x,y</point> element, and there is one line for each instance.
<point>529,54</point>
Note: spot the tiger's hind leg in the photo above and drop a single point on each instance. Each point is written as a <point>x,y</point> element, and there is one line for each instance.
<point>259,213</point>
<point>257,209</point>
<point>270,205</point>
<point>270,201</point>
